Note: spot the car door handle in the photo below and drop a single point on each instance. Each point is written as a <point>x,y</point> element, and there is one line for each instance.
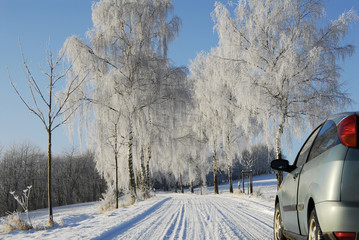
<point>295,176</point>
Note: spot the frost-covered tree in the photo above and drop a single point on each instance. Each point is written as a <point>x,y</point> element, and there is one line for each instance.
<point>110,145</point>
<point>224,120</point>
<point>182,165</point>
<point>208,104</point>
<point>191,146</point>
<point>126,67</point>
<point>287,54</point>
<point>179,130</point>
<point>47,105</point>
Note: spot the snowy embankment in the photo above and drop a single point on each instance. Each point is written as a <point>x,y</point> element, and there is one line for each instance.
<point>166,216</point>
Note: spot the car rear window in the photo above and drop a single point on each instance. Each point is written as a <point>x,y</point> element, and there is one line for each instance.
<point>326,139</point>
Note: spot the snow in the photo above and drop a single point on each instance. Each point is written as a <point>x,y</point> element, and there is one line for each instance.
<point>166,216</point>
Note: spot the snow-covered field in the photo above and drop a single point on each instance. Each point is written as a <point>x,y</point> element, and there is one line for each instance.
<point>166,216</point>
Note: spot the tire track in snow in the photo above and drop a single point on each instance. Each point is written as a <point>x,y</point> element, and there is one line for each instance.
<point>118,230</point>
<point>176,226</point>
<point>158,223</point>
<point>235,228</point>
<point>237,215</point>
<point>173,222</point>
<point>259,212</point>
<point>197,220</point>
<point>188,216</point>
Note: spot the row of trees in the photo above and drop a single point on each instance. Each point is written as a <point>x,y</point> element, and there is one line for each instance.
<point>273,73</point>
<point>75,180</point>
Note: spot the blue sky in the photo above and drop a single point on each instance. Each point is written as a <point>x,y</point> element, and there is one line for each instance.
<point>37,22</point>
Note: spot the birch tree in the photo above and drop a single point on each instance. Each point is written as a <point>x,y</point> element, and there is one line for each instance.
<point>127,62</point>
<point>225,120</point>
<point>207,102</point>
<point>47,105</point>
<point>287,54</point>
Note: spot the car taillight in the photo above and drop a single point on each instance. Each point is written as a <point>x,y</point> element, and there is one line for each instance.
<point>345,235</point>
<point>347,131</point>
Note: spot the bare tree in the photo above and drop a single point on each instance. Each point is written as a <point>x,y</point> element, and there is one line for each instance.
<point>46,105</point>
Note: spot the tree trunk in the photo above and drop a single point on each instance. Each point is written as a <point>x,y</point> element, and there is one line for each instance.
<point>181,184</point>
<point>116,163</point>
<point>49,201</point>
<point>116,166</point>
<point>191,187</point>
<point>229,165</point>
<point>201,183</point>
<point>148,183</point>
<point>138,179</point>
<point>130,166</point>
<point>143,174</point>
<point>278,150</point>
<point>230,178</point>
<point>215,177</point>
<point>144,184</point>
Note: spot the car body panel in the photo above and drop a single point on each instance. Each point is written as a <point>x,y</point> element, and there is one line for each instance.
<point>288,194</point>
<point>338,216</point>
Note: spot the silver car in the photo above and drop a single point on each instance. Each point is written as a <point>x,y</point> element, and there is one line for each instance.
<point>319,196</point>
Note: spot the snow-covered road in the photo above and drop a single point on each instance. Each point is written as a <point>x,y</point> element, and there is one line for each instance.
<point>166,216</point>
<point>178,216</point>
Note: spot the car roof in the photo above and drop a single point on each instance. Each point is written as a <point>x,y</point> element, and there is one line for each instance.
<point>343,114</point>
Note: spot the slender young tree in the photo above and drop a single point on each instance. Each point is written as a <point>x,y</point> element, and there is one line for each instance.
<point>109,133</point>
<point>48,106</point>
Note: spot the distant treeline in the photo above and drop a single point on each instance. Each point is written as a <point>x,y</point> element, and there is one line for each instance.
<point>75,178</point>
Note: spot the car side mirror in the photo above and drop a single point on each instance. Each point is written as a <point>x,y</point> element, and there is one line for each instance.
<point>281,165</point>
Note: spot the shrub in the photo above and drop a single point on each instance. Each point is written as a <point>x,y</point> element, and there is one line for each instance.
<point>14,221</point>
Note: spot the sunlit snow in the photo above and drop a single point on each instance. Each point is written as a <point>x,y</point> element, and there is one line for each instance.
<point>167,216</point>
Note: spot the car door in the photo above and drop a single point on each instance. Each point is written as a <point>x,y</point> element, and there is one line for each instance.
<point>289,188</point>
<point>320,162</point>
